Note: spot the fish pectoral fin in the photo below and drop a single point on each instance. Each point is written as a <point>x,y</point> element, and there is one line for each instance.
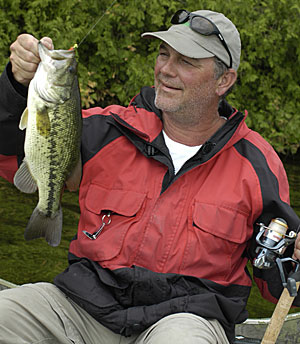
<point>24,180</point>
<point>43,124</point>
<point>24,120</point>
<point>74,179</point>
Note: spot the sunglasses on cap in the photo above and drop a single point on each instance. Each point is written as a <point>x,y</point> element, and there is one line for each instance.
<point>202,25</point>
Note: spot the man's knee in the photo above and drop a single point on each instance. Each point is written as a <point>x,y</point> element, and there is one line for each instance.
<point>10,304</point>
<point>11,313</point>
<point>15,304</point>
<point>26,315</point>
<point>184,328</point>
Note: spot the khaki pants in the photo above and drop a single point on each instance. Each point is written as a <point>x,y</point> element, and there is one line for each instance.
<point>41,314</point>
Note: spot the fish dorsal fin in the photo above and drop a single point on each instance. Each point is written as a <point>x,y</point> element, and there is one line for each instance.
<point>23,179</point>
<point>24,120</point>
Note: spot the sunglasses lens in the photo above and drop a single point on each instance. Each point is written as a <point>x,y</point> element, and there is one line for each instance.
<point>203,26</point>
<point>180,17</point>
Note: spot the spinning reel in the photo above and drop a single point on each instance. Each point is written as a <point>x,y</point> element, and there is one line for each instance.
<point>272,242</point>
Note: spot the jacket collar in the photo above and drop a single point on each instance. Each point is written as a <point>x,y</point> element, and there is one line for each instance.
<point>143,119</point>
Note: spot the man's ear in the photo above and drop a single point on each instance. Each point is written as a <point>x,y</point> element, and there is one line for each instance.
<point>226,81</point>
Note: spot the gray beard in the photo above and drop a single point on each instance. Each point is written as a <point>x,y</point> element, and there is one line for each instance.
<point>185,115</point>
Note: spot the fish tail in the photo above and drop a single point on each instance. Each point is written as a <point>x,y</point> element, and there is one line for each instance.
<point>41,225</point>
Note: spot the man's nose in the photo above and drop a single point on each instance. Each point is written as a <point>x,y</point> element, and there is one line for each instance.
<point>169,68</point>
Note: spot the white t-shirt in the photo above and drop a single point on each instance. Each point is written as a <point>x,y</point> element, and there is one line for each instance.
<point>179,152</point>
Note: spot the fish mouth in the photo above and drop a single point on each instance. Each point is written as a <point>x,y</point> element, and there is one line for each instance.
<point>61,54</point>
<point>56,54</point>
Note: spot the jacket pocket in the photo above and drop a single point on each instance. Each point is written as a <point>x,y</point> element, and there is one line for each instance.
<point>125,208</point>
<point>216,240</point>
<point>220,221</point>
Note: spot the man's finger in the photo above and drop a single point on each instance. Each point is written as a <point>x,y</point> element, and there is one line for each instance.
<point>47,41</point>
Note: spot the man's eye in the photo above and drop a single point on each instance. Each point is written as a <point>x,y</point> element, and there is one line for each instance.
<point>187,62</point>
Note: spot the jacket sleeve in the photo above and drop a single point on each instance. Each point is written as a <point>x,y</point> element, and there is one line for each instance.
<point>276,204</point>
<point>13,99</point>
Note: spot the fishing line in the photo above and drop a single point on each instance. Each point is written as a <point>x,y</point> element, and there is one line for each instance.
<point>76,46</point>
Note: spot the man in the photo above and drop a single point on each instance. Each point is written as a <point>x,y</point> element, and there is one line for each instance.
<point>184,183</point>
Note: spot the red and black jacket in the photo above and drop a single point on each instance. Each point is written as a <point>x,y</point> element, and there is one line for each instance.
<point>176,243</point>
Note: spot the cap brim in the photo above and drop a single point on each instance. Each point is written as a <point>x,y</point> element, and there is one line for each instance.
<point>181,43</point>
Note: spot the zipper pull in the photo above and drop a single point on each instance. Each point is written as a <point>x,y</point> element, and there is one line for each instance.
<point>106,220</point>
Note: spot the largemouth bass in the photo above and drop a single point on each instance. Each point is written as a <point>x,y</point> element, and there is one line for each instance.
<point>52,141</point>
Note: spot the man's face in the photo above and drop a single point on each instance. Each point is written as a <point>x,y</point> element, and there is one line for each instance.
<point>183,85</point>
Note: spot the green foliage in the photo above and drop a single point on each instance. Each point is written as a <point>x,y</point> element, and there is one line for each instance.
<point>31,261</point>
<point>114,62</point>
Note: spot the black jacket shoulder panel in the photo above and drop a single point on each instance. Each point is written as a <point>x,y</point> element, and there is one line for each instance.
<point>97,132</point>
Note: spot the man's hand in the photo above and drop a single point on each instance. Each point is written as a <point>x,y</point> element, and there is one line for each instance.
<point>296,254</point>
<point>25,57</point>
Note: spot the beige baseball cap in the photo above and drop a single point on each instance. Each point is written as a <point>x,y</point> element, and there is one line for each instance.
<point>192,44</point>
